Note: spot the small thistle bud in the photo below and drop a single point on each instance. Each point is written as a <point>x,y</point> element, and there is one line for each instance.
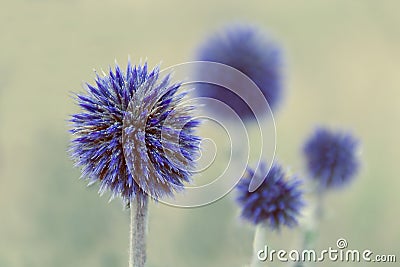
<point>331,157</point>
<point>275,202</point>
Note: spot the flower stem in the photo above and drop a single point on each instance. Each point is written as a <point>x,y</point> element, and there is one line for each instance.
<point>258,244</point>
<point>319,210</point>
<point>138,231</point>
<point>311,231</point>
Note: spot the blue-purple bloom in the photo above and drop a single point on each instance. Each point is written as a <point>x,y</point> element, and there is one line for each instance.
<point>248,50</point>
<point>331,157</point>
<point>276,202</point>
<point>134,134</point>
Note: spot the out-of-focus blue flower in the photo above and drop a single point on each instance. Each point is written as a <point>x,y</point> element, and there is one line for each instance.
<point>251,52</point>
<point>331,157</point>
<point>134,134</point>
<point>276,201</point>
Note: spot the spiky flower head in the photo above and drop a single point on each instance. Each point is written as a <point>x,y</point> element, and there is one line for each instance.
<point>331,157</point>
<point>135,134</point>
<point>276,202</point>
<point>253,53</point>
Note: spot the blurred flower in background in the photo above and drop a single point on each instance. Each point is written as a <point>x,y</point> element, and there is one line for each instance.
<point>124,132</point>
<point>249,50</point>
<point>276,202</point>
<point>331,157</point>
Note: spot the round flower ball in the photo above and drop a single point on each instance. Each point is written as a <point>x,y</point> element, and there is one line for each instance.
<point>331,157</point>
<point>276,202</point>
<point>247,49</point>
<point>127,127</point>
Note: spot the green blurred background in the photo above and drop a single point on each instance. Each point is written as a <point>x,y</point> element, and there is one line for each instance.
<point>343,63</point>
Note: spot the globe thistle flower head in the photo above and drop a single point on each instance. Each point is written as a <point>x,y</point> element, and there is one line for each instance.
<point>248,50</point>
<point>128,125</point>
<point>276,202</point>
<point>331,157</point>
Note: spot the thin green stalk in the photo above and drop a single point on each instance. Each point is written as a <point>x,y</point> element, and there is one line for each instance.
<point>259,243</point>
<point>310,232</point>
<point>138,232</point>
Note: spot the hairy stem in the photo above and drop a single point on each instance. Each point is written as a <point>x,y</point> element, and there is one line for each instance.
<point>258,244</point>
<point>138,231</point>
<point>310,232</point>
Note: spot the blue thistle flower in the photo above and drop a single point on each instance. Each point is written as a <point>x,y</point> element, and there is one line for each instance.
<point>331,157</point>
<point>276,201</point>
<point>134,134</point>
<point>246,49</point>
